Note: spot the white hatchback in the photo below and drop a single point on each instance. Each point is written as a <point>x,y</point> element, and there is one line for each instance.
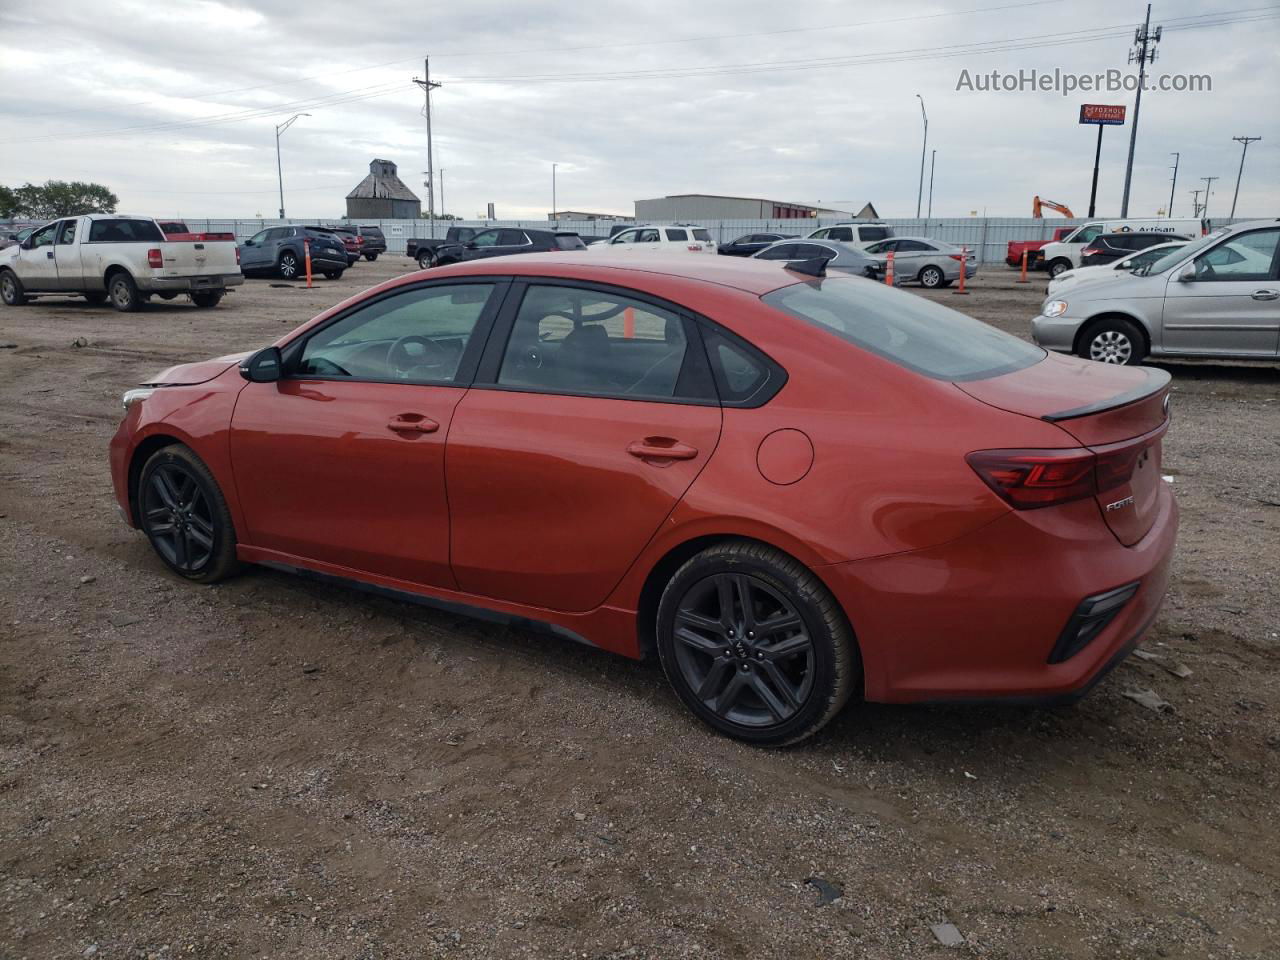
<point>658,238</point>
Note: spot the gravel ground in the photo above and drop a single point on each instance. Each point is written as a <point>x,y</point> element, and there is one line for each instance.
<point>276,768</point>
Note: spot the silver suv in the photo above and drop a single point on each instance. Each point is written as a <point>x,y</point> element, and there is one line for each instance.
<point>1218,296</point>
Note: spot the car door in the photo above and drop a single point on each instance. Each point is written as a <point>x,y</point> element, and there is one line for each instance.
<point>341,462</point>
<point>1227,301</point>
<point>253,252</point>
<point>481,245</point>
<point>37,266</point>
<point>590,416</point>
<point>66,256</point>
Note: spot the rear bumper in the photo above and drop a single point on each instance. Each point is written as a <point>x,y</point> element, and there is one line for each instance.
<point>979,618</point>
<point>197,283</point>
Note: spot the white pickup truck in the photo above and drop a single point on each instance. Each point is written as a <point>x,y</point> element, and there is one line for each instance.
<point>125,259</point>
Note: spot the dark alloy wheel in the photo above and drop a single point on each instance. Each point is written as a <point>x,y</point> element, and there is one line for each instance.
<point>332,274</point>
<point>755,644</point>
<point>931,277</point>
<point>11,289</point>
<point>184,515</point>
<point>288,265</point>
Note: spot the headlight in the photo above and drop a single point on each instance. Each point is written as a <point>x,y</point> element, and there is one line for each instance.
<point>137,395</point>
<point>1054,308</point>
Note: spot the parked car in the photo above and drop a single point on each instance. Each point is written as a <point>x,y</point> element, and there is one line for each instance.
<point>1117,269</point>
<point>423,249</point>
<point>658,238</point>
<point>861,233</point>
<point>15,235</point>
<point>352,242</point>
<point>751,243</point>
<point>507,241</point>
<point>1064,254</point>
<point>1109,247</point>
<point>1033,248</point>
<point>282,251</point>
<point>930,263</point>
<point>844,257</point>
<point>112,256</point>
<point>788,488</point>
<point>1217,296</point>
<point>374,242</point>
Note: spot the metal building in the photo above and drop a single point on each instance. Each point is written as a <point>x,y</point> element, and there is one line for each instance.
<point>383,196</point>
<point>706,206</point>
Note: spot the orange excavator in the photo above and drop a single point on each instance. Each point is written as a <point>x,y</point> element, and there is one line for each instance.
<point>1037,204</point>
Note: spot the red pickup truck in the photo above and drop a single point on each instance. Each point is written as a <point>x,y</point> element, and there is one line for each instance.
<point>1032,247</point>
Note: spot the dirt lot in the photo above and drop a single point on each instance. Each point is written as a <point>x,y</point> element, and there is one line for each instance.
<point>275,768</point>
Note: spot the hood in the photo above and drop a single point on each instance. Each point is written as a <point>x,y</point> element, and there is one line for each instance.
<point>199,372</point>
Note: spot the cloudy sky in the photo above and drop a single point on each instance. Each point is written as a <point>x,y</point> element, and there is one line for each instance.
<point>173,104</point>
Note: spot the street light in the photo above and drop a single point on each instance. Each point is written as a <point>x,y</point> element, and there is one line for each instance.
<point>923,144</point>
<point>279,170</point>
<point>553,193</point>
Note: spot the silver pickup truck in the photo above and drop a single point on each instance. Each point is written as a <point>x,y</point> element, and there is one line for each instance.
<point>125,259</point>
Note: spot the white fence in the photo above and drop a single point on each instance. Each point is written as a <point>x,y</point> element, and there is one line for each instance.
<point>987,237</point>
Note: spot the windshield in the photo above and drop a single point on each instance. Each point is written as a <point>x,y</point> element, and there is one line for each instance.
<point>1148,257</point>
<point>1177,256</point>
<point>915,333</point>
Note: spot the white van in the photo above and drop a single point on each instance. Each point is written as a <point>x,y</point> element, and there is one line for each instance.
<point>861,234</point>
<point>1064,254</point>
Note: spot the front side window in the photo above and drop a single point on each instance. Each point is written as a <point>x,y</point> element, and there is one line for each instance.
<point>417,336</point>
<point>44,236</point>
<point>912,332</point>
<point>1249,256</point>
<point>512,238</point>
<point>259,238</point>
<point>626,236</point>
<point>486,238</point>
<point>1086,234</point>
<point>572,340</point>
<point>647,236</point>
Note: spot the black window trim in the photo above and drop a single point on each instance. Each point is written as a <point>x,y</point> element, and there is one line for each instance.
<point>465,374</point>
<point>776,375</point>
<point>697,364</point>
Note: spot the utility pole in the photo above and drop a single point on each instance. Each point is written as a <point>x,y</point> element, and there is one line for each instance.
<point>442,191</point>
<point>1208,185</point>
<point>279,169</point>
<point>1145,41</point>
<point>923,145</point>
<point>427,86</point>
<point>1246,141</point>
<point>933,159</point>
<point>1176,158</point>
<point>1195,202</point>
<point>1097,159</point>
<point>553,193</point>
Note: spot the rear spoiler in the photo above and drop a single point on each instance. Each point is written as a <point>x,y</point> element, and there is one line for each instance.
<point>1156,381</point>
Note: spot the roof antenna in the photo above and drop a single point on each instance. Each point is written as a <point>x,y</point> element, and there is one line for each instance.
<point>815,267</point>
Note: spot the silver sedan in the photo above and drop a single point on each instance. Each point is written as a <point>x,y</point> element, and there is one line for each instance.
<point>931,263</point>
<point>841,256</point>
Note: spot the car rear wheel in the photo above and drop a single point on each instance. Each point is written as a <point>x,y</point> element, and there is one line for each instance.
<point>1113,340</point>
<point>123,292</point>
<point>11,289</point>
<point>426,260</point>
<point>371,257</point>
<point>288,265</point>
<point>332,274</point>
<point>183,513</point>
<point>207,298</point>
<point>755,644</point>
<point>931,277</point>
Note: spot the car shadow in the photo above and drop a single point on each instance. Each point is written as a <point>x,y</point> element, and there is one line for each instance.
<point>1233,371</point>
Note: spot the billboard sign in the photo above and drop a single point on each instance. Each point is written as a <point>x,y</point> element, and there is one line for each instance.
<point>1103,113</point>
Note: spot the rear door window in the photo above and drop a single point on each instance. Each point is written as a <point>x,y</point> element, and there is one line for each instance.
<point>673,234</point>
<point>68,234</point>
<point>125,231</point>
<point>783,251</point>
<point>915,333</point>
<point>873,233</point>
<point>512,238</point>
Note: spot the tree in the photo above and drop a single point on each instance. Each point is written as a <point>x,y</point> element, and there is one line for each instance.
<point>57,198</point>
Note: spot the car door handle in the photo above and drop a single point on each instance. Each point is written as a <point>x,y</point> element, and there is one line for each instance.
<point>49,254</point>
<point>1266,294</point>
<point>412,423</point>
<point>661,448</point>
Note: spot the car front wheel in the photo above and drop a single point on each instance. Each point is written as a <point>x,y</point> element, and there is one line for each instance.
<point>1058,268</point>
<point>755,644</point>
<point>11,289</point>
<point>1113,340</point>
<point>288,265</point>
<point>183,513</point>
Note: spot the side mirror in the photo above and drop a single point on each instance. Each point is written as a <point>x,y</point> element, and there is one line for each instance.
<point>249,243</point>
<point>263,366</point>
<point>27,244</point>
<point>470,245</point>
<point>1187,273</point>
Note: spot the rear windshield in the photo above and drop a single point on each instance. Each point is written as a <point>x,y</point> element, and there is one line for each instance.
<point>371,232</point>
<point>124,231</point>
<point>702,235</point>
<point>911,331</point>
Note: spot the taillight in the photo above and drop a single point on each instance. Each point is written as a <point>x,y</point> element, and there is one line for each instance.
<point>237,256</point>
<point>955,256</point>
<point>1030,479</point>
<point>1090,252</point>
<point>155,258</point>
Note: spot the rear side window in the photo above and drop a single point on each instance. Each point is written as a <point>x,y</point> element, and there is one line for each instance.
<point>371,232</point>
<point>677,234</point>
<point>744,376</point>
<point>702,235</point>
<point>512,238</point>
<point>569,243</point>
<point>874,233</point>
<point>913,332</point>
<point>125,231</point>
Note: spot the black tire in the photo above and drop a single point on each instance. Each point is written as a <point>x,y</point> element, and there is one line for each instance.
<point>1059,267</point>
<point>765,686</point>
<point>931,277</point>
<point>183,513</point>
<point>11,291</point>
<point>288,265</point>
<point>332,274</point>
<point>371,257</point>
<point>96,298</point>
<point>205,299</point>
<point>123,292</point>
<point>1112,340</point>
<point>426,260</point>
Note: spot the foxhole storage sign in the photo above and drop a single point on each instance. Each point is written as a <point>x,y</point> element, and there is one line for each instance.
<point>1102,113</point>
